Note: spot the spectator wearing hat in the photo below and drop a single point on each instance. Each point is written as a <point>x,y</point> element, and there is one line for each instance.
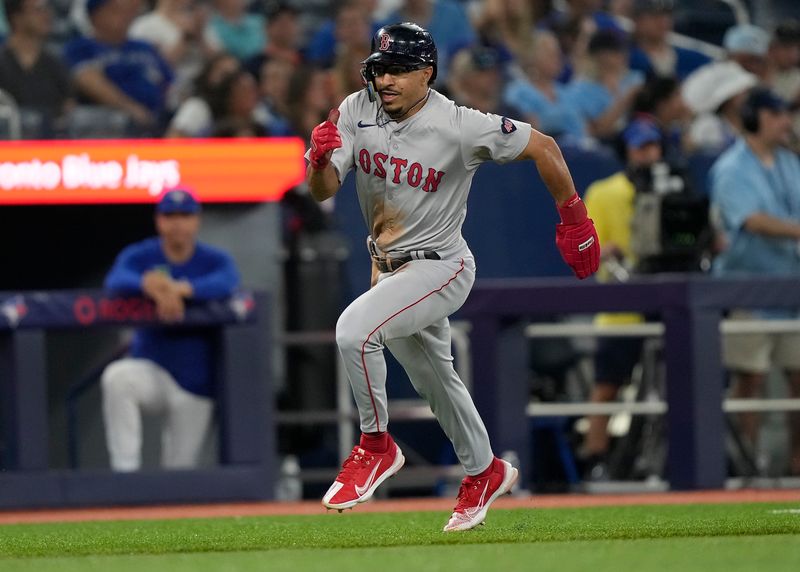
<point>755,189</point>
<point>715,94</point>
<point>747,45</point>
<point>110,69</point>
<point>476,80</point>
<point>169,371</point>
<point>652,52</point>
<point>536,93</point>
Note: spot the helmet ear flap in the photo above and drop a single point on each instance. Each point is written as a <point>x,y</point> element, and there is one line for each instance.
<point>368,77</point>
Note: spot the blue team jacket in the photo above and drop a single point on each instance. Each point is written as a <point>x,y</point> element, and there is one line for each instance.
<point>186,353</point>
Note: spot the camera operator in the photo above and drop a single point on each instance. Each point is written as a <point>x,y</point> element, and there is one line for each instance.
<point>648,221</point>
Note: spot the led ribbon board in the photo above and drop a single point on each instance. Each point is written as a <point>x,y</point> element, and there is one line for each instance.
<point>138,170</point>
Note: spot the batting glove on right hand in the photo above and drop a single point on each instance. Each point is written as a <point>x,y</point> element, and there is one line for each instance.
<point>576,238</point>
<point>324,139</point>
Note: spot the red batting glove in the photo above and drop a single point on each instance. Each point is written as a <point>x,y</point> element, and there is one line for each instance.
<point>576,238</point>
<point>324,139</point>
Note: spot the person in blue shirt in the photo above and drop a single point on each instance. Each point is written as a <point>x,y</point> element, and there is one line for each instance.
<point>652,53</point>
<point>603,95</point>
<point>755,189</point>
<point>110,69</point>
<point>240,32</point>
<point>168,370</point>
<point>543,101</point>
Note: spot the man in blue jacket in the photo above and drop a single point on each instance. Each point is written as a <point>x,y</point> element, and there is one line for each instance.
<point>169,370</point>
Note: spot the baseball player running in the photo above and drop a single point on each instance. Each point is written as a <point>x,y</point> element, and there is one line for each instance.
<point>414,153</point>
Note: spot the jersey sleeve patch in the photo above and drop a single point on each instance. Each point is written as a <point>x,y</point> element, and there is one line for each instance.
<point>507,126</point>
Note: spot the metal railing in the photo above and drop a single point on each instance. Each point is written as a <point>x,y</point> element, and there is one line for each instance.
<point>345,416</point>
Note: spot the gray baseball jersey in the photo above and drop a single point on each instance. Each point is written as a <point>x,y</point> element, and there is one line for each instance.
<point>413,177</point>
<point>413,180</point>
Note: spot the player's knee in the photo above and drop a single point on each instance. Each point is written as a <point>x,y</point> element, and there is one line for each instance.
<point>345,338</point>
<point>348,333</point>
<point>117,377</point>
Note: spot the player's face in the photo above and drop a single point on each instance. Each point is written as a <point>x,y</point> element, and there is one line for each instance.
<point>401,89</point>
<point>178,230</point>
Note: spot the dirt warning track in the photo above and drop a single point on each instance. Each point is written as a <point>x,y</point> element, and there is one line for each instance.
<point>400,505</point>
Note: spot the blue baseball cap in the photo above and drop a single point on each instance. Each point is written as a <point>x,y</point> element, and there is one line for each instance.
<point>640,132</point>
<point>764,98</point>
<point>178,200</point>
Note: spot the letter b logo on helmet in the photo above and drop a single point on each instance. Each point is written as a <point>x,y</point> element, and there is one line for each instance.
<point>403,44</point>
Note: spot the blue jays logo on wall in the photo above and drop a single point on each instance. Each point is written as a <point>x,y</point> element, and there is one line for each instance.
<point>14,309</point>
<point>242,304</point>
<point>507,126</point>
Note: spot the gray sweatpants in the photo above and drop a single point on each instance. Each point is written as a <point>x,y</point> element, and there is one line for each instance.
<point>407,312</point>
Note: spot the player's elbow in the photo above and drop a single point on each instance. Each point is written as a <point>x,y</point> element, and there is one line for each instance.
<point>540,146</point>
<point>547,145</point>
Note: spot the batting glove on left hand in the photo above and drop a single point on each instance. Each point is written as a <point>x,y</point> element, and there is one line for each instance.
<point>324,139</point>
<point>576,238</point>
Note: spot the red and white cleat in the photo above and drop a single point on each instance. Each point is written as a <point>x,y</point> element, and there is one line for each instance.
<point>478,493</point>
<point>362,472</point>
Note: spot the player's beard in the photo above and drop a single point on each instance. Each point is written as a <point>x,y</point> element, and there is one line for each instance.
<point>402,112</point>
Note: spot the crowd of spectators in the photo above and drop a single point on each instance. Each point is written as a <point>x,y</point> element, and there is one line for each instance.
<point>579,70</point>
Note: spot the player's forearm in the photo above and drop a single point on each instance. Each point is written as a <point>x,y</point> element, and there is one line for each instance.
<point>123,280</point>
<point>544,151</point>
<point>97,87</point>
<point>322,183</point>
<point>221,283</point>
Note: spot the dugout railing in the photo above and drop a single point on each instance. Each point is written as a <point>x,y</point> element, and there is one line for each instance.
<point>246,468</point>
<point>345,417</point>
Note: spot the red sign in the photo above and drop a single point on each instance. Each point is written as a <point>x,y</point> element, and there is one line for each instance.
<point>137,170</point>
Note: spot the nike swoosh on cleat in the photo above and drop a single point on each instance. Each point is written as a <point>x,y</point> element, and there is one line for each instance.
<point>483,494</point>
<point>361,490</point>
<point>362,124</point>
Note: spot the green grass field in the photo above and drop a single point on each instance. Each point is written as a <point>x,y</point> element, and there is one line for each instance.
<point>749,537</point>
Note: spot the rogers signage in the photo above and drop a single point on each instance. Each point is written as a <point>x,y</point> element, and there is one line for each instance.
<point>88,310</point>
<point>137,171</point>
